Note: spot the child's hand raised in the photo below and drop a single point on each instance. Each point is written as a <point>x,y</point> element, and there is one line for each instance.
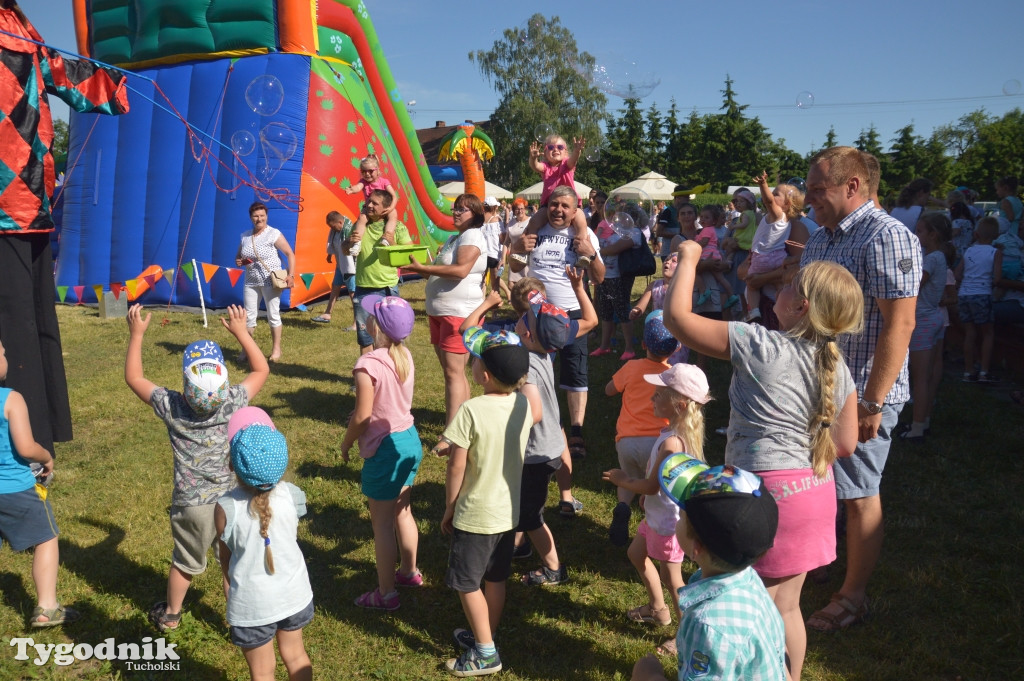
<point>235,323</point>
<point>494,298</point>
<point>762,179</point>
<point>575,275</point>
<point>534,150</point>
<point>137,325</point>
<point>579,143</point>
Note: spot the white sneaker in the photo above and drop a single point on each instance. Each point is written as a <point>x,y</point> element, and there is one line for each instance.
<point>354,250</point>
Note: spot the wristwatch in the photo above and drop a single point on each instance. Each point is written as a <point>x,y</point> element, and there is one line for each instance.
<point>870,407</point>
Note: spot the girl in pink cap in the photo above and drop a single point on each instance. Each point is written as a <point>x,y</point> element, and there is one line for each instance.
<point>389,445</point>
<point>680,396</point>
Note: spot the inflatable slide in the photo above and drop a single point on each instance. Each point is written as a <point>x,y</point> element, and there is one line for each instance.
<point>231,102</point>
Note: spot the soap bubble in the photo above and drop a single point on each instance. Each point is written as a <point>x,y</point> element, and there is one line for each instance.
<point>265,95</point>
<point>1011,87</point>
<point>279,143</point>
<point>593,154</point>
<point>798,182</point>
<point>243,143</point>
<point>628,208</point>
<point>542,132</point>
<point>804,100</point>
<point>614,74</point>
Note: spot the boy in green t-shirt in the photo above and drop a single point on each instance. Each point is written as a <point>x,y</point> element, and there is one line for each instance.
<point>487,441</point>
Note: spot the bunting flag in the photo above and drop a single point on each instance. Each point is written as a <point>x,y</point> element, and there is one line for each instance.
<point>79,292</point>
<point>151,278</point>
<point>186,267</point>
<point>98,288</point>
<point>209,271</point>
<point>116,288</point>
<point>62,292</point>
<point>307,279</point>
<point>131,285</point>
<point>233,274</point>
<point>169,276</point>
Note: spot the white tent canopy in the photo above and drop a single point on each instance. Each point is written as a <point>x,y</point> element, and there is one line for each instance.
<point>533,192</point>
<point>655,185</point>
<point>456,188</point>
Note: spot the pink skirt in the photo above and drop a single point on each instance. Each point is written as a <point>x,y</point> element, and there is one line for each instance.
<point>806,537</point>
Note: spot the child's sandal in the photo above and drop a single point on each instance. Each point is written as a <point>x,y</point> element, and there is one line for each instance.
<point>163,621</point>
<point>648,615</point>
<point>54,616</point>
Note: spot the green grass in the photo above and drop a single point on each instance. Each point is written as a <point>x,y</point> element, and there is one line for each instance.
<point>945,596</point>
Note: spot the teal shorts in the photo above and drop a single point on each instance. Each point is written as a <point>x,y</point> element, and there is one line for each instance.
<point>393,467</point>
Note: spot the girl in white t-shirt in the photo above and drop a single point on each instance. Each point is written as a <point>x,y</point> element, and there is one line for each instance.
<point>680,397</point>
<point>768,251</point>
<point>270,596</point>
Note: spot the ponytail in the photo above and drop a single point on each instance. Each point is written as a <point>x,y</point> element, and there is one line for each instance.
<point>688,424</point>
<point>259,506</point>
<point>400,356</point>
<point>823,447</point>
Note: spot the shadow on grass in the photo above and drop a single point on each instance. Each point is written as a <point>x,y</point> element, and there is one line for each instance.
<point>311,403</point>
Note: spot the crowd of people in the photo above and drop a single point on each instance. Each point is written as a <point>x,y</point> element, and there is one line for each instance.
<point>829,309</point>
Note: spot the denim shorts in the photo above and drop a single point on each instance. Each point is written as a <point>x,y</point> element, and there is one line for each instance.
<point>572,373</point>
<point>254,637</point>
<point>393,466</point>
<point>26,519</point>
<point>860,474</point>
<point>976,309</point>
<point>348,281</point>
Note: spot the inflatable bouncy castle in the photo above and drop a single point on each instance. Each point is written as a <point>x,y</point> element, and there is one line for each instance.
<point>231,102</point>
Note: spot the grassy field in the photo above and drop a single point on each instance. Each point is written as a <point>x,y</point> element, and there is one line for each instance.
<point>945,597</point>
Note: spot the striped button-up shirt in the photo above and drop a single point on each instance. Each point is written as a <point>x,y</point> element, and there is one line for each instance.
<point>885,258</point>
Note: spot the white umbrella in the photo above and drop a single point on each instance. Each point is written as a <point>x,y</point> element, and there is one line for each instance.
<point>456,188</point>
<point>655,185</point>
<point>533,192</point>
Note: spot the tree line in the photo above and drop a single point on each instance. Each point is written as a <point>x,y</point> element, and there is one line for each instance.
<point>536,72</point>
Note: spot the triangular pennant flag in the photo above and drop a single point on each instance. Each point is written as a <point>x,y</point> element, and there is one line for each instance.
<point>187,269</point>
<point>62,292</point>
<point>209,271</point>
<point>233,274</point>
<point>328,278</point>
<point>116,288</point>
<point>151,279</point>
<point>169,276</point>
<point>98,288</point>
<point>307,279</point>
<point>132,285</point>
<point>79,292</point>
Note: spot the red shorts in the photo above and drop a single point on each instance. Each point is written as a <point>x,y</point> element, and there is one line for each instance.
<point>444,333</point>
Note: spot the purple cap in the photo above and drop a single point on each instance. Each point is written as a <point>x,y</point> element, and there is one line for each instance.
<point>393,315</point>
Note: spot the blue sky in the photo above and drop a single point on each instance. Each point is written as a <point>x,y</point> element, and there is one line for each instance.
<point>887,63</point>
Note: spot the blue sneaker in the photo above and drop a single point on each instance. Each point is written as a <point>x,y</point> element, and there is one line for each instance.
<point>731,301</point>
<point>464,638</point>
<point>470,664</point>
<point>704,297</point>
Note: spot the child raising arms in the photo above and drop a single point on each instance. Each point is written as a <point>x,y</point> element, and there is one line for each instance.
<point>270,596</point>
<point>369,172</point>
<point>793,410</point>
<point>768,250</point>
<point>197,424</point>
<point>680,397</point>
<point>389,445</point>
<point>557,168</point>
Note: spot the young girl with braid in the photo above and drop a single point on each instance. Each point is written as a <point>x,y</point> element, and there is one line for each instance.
<point>270,596</point>
<point>793,411</point>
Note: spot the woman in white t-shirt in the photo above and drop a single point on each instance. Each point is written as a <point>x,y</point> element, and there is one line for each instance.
<point>454,289</point>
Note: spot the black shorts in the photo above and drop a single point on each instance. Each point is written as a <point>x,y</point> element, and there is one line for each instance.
<point>533,493</point>
<point>475,557</point>
<point>492,263</point>
<point>572,371</point>
<point>611,298</point>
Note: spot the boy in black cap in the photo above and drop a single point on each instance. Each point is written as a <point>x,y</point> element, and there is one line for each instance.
<point>487,439</point>
<point>730,627</point>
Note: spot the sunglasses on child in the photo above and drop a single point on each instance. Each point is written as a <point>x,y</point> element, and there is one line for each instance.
<point>552,147</point>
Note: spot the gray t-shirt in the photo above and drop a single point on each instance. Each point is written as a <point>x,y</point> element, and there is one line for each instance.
<point>930,295</point>
<point>546,442</point>
<point>200,445</point>
<point>773,394</point>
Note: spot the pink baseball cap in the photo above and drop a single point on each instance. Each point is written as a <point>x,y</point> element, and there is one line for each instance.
<point>686,379</point>
<point>245,417</point>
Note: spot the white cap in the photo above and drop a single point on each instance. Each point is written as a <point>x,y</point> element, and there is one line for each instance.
<point>490,201</point>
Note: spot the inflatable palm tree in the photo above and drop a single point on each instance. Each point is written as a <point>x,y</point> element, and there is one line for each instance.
<point>471,147</point>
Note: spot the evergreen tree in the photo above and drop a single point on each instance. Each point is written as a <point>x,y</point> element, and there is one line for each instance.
<point>654,147</point>
<point>830,138</point>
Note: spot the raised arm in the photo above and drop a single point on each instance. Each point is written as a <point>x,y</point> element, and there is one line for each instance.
<point>259,370</point>
<point>536,164</point>
<point>589,319</point>
<point>133,373</point>
<point>492,301</point>
<point>706,336</point>
<point>578,145</point>
<point>771,209</point>
<point>357,187</point>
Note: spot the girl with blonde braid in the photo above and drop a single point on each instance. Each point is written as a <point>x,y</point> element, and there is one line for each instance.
<point>270,596</point>
<point>793,411</point>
